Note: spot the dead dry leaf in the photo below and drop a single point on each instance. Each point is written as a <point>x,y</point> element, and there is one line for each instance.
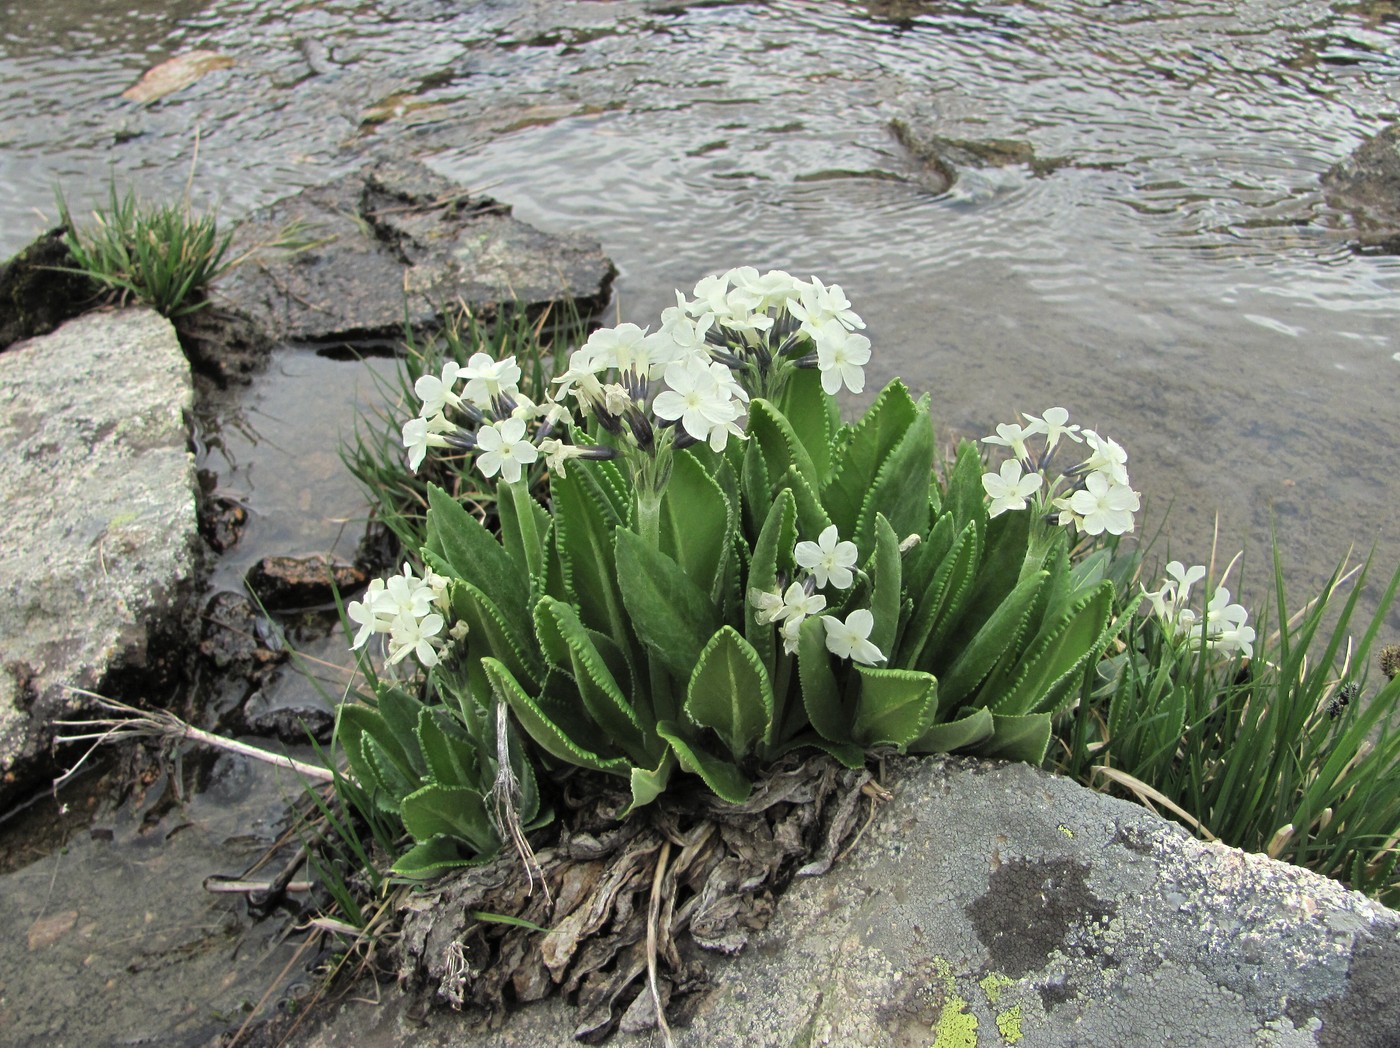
<point>175,73</point>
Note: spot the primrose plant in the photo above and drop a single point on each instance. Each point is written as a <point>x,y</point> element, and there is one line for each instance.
<point>722,572</point>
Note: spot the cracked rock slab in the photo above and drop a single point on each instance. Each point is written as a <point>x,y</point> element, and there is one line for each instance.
<point>399,242</point>
<point>994,904</point>
<point>98,540</point>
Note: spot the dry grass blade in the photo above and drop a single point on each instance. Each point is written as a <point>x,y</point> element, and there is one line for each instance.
<point>1149,796</point>
<point>130,722</point>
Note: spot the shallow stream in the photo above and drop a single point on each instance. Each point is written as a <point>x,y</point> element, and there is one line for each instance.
<point>1172,275</point>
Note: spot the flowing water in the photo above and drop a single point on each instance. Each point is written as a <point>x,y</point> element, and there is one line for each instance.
<point>1167,270</point>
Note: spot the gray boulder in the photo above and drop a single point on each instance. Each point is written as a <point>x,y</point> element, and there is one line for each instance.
<point>400,242</point>
<point>993,904</point>
<point>1366,185</point>
<point>98,537</point>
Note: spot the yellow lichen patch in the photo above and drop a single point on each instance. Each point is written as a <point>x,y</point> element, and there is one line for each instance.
<point>1069,834</point>
<point>1009,1024</point>
<point>957,1027</point>
<point>993,984</point>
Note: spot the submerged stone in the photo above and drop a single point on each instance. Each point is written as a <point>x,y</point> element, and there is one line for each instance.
<point>284,583</point>
<point>398,243</point>
<point>1366,185</point>
<point>994,904</point>
<point>98,541</point>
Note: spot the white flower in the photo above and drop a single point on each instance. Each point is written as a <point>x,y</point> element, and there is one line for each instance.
<point>404,594</point>
<point>703,396</point>
<point>420,434</point>
<point>556,453</point>
<point>1107,456</point>
<point>829,560</point>
<point>364,613</point>
<point>585,365</point>
<point>817,304</point>
<point>1053,426</point>
<point>1103,505</point>
<point>686,332</point>
<point>410,634</point>
<point>1008,489</point>
<point>774,288</point>
<point>791,632</point>
<point>840,356</point>
<point>798,603</point>
<point>851,639</point>
<point>1013,436</point>
<point>502,448</point>
<point>1184,578</point>
<point>436,392</point>
<point>768,606</point>
<point>488,378</point>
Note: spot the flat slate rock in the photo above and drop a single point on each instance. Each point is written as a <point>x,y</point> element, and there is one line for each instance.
<point>98,540</point>
<point>398,241</point>
<point>993,904</point>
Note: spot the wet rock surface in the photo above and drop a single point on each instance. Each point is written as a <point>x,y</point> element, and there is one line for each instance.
<point>36,294</point>
<point>284,583</point>
<point>98,541</point>
<point>398,242</point>
<point>236,640</point>
<point>943,159</point>
<point>994,904</point>
<point>1367,185</point>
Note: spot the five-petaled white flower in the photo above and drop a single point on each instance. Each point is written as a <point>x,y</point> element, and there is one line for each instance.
<point>1013,436</point>
<point>1008,489</point>
<point>436,391</point>
<point>420,434</point>
<point>840,357</point>
<point>798,603</point>
<point>1103,505</point>
<point>1053,425</point>
<point>703,397</point>
<point>851,639</point>
<point>488,378</point>
<point>829,560</point>
<point>1106,456</point>
<point>502,448</point>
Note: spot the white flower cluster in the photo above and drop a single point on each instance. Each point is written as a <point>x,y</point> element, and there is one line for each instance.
<point>1224,627</point>
<point>1101,498</point>
<point>410,610</point>
<point>737,338</point>
<point>829,562</point>
<point>491,399</point>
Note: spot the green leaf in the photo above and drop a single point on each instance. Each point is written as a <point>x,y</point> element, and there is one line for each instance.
<point>671,615</point>
<point>813,414</point>
<point>399,712</point>
<point>885,598</point>
<point>722,777</point>
<point>386,774</point>
<point>453,811</point>
<point>1059,654</point>
<point>1017,738</point>
<point>448,751</point>
<point>977,659</point>
<point>431,858</point>
<point>923,560</point>
<point>584,529</point>
<point>730,693</point>
<point>355,724</point>
<point>961,734</point>
<point>772,552</point>
<point>871,441</point>
<point>490,633</point>
<point>696,521</point>
<point>558,626</point>
<point>473,554</point>
<point>755,484</point>
<point>782,450</point>
<point>821,695</point>
<point>937,610</point>
<point>901,487</point>
<point>894,706</point>
<point>965,497</point>
<point>524,527</point>
<point>550,737</point>
<point>647,785</point>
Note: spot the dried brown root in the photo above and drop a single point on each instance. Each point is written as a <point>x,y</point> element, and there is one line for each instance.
<point>631,904</point>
